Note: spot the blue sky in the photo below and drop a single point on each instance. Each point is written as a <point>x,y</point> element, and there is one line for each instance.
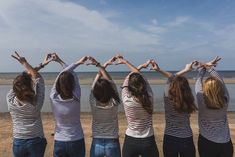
<point>172,32</point>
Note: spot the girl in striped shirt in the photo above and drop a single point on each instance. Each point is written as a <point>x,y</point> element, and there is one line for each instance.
<point>137,98</point>
<point>178,104</point>
<point>104,101</point>
<point>213,99</point>
<point>25,102</point>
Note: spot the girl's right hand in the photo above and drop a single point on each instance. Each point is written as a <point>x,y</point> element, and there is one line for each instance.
<point>19,58</point>
<point>154,65</point>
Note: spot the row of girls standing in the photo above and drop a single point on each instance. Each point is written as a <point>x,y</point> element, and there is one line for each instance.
<point>26,98</point>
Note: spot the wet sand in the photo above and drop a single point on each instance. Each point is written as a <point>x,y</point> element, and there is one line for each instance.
<point>48,124</point>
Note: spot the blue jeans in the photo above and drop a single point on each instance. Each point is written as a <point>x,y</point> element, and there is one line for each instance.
<point>175,146</point>
<point>69,148</point>
<point>34,147</point>
<point>101,147</point>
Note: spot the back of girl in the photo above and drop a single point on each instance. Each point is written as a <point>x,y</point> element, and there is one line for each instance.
<point>213,99</point>
<point>104,101</point>
<point>137,99</point>
<point>24,104</point>
<point>65,100</point>
<point>178,104</point>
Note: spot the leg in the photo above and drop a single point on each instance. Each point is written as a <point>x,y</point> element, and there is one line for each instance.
<point>207,148</point>
<point>227,149</point>
<point>37,146</point>
<point>170,146</point>
<point>77,148</point>
<point>97,148</point>
<point>60,149</point>
<point>130,147</point>
<point>19,148</point>
<point>187,148</point>
<point>149,147</point>
<point>112,148</point>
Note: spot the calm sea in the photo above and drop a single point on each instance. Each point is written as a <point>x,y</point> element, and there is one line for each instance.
<point>157,89</point>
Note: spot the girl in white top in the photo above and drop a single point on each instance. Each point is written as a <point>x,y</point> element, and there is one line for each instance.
<point>65,101</point>
<point>137,98</point>
<point>104,101</point>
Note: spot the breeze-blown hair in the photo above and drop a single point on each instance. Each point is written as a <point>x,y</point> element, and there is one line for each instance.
<point>213,92</point>
<point>23,87</point>
<point>138,88</point>
<point>181,95</point>
<point>65,85</point>
<point>103,91</point>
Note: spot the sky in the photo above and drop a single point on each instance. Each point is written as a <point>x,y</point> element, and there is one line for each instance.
<point>172,32</point>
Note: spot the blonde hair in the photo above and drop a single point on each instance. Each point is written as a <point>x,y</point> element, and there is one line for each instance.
<point>213,92</point>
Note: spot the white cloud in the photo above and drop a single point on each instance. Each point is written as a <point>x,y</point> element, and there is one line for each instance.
<point>179,21</point>
<point>66,25</point>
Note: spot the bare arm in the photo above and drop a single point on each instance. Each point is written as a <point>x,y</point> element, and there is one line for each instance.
<point>102,72</point>
<point>144,65</point>
<point>121,60</point>
<point>155,67</point>
<point>188,68</point>
<point>30,70</point>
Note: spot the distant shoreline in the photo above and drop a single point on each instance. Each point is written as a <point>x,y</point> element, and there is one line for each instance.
<point>117,81</point>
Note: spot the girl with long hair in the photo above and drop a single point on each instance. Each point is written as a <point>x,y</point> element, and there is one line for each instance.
<point>65,101</point>
<point>25,101</point>
<point>179,104</point>
<point>137,98</point>
<point>104,102</point>
<point>213,100</point>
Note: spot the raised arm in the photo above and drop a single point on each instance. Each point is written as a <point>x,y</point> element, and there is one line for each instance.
<point>155,67</point>
<point>48,58</point>
<point>29,69</point>
<point>102,72</point>
<point>121,60</point>
<point>144,65</point>
<point>188,68</point>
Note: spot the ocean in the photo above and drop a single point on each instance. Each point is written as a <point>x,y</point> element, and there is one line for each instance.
<point>89,76</point>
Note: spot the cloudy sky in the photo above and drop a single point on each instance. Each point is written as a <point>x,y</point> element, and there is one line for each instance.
<point>172,32</point>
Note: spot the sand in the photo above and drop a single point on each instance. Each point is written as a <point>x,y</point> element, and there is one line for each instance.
<point>48,123</point>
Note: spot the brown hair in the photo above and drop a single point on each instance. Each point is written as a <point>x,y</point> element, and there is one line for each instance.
<point>65,85</point>
<point>181,95</point>
<point>23,87</point>
<point>138,88</point>
<point>103,91</point>
<point>213,93</point>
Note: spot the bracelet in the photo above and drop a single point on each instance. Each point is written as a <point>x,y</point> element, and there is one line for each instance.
<point>41,65</point>
<point>97,64</point>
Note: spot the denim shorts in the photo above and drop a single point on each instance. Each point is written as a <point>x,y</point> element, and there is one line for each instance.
<point>34,147</point>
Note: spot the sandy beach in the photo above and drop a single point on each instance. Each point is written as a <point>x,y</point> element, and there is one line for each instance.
<point>48,123</point>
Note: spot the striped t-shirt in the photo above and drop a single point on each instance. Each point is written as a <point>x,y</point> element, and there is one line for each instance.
<point>104,117</point>
<point>177,124</point>
<point>140,122</point>
<point>213,123</point>
<point>26,117</point>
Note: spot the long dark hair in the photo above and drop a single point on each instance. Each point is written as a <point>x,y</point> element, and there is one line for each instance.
<point>103,91</point>
<point>138,88</point>
<point>23,87</point>
<point>181,95</point>
<point>65,85</point>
